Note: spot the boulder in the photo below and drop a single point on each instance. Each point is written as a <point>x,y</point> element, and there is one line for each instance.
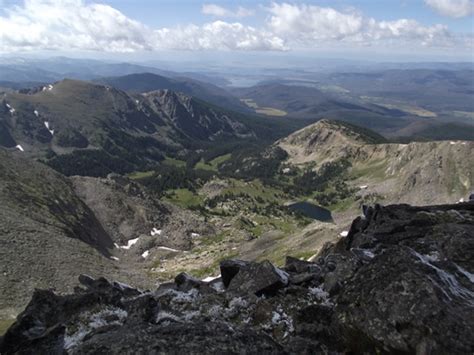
<point>230,268</point>
<point>298,265</point>
<point>402,282</point>
<point>258,279</point>
<point>186,282</point>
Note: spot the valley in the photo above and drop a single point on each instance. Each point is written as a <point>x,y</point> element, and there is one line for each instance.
<point>143,177</point>
<point>236,177</point>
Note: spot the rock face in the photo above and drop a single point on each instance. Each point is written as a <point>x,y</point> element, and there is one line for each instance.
<point>402,281</point>
<point>47,233</point>
<point>127,211</point>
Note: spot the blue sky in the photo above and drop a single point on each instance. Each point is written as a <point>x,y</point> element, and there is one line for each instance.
<point>436,29</point>
<point>169,12</point>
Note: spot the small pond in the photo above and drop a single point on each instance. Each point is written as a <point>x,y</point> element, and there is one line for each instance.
<point>311,210</point>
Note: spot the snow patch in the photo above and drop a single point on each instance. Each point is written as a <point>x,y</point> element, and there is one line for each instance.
<point>168,249</point>
<point>211,278</point>
<point>363,187</point>
<point>344,234</point>
<point>155,231</point>
<point>195,235</point>
<point>20,148</point>
<point>368,253</point>
<point>145,254</point>
<point>452,143</point>
<point>36,113</point>
<point>46,124</point>
<point>465,273</point>
<point>449,282</point>
<point>11,109</point>
<point>116,246</point>
<point>130,243</point>
<point>114,258</point>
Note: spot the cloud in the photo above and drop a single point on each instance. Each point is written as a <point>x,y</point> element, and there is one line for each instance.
<point>70,24</point>
<point>76,25</point>
<point>219,11</point>
<point>452,8</point>
<point>309,25</point>
<point>79,25</point>
<point>218,35</point>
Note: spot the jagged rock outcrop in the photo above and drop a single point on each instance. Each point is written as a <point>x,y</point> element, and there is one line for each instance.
<point>402,281</point>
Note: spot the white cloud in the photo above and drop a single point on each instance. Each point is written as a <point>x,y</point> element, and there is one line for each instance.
<point>70,24</point>
<point>218,35</point>
<point>79,25</point>
<point>219,11</point>
<point>76,25</point>
<point>310,25</point>
<point>452,8</point>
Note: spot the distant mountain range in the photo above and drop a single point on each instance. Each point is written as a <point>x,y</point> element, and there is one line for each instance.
<point>71,122</point>
<point>145,82</point>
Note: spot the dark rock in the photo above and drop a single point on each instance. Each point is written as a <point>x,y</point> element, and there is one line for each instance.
<point>230,268</point>
<point>186,282</point>
<point>297,265</point>
<point>402,283</point>
<point>179,338</point>
<point>258,278</point>
<point>297,279</point>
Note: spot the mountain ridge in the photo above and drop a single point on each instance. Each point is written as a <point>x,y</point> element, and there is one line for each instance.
<point>418,172</point>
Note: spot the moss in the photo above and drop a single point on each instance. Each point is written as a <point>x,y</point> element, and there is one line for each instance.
<point>374,170</point>
<point>209,240</point>
<point>174,162</point>
<point>137,175</point>
<point>213,268</point>
<point>342,205</point>
<point>184,198</point>
<point>304,255</point>
<point>5,324</point>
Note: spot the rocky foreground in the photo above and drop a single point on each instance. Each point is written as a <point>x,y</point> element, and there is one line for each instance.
<point>402,281</point>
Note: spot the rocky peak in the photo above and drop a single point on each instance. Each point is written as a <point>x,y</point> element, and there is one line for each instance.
<point>402,281</point>
<point>170,101</point>
<point>327,140</point>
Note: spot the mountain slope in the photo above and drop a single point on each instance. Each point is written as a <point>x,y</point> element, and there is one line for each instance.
<point>47,233</point>
<point>419,172</point>
<point>145,82</point>
<point>53,228</point>
<point>193,119</point>
<point>118,131</point>
<point>313,103</point>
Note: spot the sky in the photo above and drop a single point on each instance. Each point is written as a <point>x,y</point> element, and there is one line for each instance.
<point>149,29</point>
